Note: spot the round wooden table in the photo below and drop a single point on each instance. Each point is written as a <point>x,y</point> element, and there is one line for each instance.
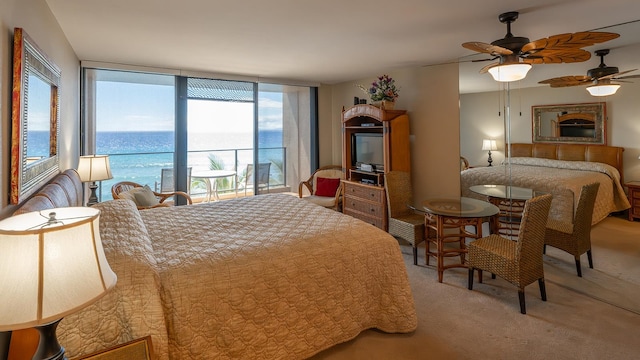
<point>446,220</point>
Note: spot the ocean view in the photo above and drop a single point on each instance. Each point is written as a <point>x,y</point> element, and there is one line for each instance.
<point>140,156</point>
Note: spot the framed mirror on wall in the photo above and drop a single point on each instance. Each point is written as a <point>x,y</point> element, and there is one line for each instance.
<point>571,123</point>
<point>35,114</point>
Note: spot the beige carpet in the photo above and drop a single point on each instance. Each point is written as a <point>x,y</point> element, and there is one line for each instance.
<point>594,317</point>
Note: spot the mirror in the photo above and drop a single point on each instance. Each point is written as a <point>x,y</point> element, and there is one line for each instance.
<point>574,123</point>
<point>34,118</point>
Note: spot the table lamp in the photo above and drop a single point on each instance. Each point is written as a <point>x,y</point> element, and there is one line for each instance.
<point>53,265</point>
<point>489,145</point>
<point>92,168</point>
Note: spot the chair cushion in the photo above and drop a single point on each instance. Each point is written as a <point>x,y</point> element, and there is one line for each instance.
<point>325,201</point>
<point>327,187</point>
<point>145,197</point>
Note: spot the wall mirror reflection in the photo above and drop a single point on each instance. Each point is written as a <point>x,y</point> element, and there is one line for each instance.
<point>576,123</point>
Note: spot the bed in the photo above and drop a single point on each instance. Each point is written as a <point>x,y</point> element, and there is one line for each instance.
<point>559,169</point>
<point>265,277</point>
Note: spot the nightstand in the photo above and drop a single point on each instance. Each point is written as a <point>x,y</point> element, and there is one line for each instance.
<point>634,198</point>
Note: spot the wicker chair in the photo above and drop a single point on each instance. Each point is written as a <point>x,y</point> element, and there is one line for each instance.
<point>404,222</point>
<point>464,163</point>
<point>575,238</point>
<point>518,262</point>
<point>327,172</point>
<point>118,189</point>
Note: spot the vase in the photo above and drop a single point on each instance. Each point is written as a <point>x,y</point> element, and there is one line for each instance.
<point>384,104</point>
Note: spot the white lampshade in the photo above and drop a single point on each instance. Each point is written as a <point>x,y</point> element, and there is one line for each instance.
<point>510,72</point>
<point>94,168</point>
<point>53,264</point>
<point>489,145</point>
<point>603,89</point>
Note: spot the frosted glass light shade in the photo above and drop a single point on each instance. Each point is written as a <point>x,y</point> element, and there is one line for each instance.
<point>50,268</point>
<point>603,90</point>
<point>489,145</point>
<point>510,72</point>
<point>94,168</point>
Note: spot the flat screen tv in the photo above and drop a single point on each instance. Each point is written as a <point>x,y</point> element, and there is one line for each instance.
<point>367,148</point>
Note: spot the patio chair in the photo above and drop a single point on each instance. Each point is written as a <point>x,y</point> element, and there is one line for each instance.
<point>264,173</point>
<point>143,196</point>
<point>167,182</point>
<point>324,187</point>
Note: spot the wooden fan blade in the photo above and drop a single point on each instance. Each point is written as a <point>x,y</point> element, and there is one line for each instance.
<point>486,68</point>
<point>566,42</point>
<point>486,48</point>
<point>556,56</point>
<point>565,81</point>
<point>616,76</point>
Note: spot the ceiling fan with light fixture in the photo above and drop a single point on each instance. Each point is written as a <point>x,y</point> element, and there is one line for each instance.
<point>600,78</point>
<point>516,54</point>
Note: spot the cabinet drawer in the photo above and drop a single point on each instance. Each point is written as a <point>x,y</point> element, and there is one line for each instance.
<point>366,207</point>
<point>364,192</point>
<point>377,222</point>
<point>634,194</point>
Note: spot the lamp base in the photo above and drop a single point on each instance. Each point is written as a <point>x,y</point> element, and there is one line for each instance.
<point>93,198</point>
<point>490,160</point>
<point>49,348</point>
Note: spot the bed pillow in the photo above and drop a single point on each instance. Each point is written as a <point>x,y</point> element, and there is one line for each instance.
<point>327,186</point>
<point>145,197</point>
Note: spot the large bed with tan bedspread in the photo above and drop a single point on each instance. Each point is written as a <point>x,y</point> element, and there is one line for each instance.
<point>266,277</point>
<point>559,169</point>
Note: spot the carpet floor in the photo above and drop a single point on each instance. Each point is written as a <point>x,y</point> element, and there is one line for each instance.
<point>593,317</point>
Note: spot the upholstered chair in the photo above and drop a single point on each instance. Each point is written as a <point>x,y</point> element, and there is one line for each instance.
<point>404,222</point>
<point>519,262</point>
<point>323,187</point>
<point>575,237</point>
<point>143,196</point>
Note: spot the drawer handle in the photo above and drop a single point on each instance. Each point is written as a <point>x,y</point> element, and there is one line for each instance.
<point>373,210</point>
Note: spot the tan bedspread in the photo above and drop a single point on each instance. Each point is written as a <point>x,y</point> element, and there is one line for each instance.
<point>563,179</point>
<point>267,277</point>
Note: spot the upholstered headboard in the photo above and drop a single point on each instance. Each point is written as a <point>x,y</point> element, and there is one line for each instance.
<point>611,155</point>
<point>64,190</point>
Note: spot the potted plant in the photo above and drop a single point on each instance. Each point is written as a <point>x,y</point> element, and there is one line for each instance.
<point>383,92</point>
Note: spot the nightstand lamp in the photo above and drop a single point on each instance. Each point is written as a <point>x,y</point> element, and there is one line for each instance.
<point>92,168</point>
<point>489,145</point>
<point>53,264</point>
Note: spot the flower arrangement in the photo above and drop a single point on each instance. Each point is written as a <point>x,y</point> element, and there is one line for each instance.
<point>384,88</point>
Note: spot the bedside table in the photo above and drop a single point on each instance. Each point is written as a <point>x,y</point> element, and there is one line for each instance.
<point>634,198</point>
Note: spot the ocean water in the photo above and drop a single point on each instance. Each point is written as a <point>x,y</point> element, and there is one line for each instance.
<point>140,156</point>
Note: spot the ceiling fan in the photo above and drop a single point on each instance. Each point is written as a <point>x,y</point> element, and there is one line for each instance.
<point>599,77</point>
<point>516,54</point>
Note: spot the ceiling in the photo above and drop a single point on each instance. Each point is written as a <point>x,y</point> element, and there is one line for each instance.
<point>334,41</point>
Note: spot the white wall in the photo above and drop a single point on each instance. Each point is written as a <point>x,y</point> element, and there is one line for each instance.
<point>38,22</point>
<point>479,119</point>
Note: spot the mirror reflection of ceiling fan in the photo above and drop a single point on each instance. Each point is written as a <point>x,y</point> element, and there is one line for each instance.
<point>516,54</point>
<point>600,78</point>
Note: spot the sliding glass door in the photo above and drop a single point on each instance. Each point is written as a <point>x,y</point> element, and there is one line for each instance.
<point>220,139</point>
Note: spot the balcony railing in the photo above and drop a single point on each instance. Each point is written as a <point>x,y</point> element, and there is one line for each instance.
<point>146,169</point>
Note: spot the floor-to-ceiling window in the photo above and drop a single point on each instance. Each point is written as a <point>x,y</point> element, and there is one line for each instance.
<point>230,127</point>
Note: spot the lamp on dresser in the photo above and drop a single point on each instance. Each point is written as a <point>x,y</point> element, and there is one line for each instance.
<point>53,264</point>
<point>92,168</point>
<point>489,145</point>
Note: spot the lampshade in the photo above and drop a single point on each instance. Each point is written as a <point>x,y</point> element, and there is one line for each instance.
<point>94,168</point>
<point>510,72</point>
<point>603,89</point>
<point>53,264</point>
<point>489,145</point>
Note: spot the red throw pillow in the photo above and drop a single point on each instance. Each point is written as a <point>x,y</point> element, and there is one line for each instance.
<point>326,187</point>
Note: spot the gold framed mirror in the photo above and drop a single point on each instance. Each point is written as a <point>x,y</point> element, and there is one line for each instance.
<point>35,114</point>
<point>571,123</point>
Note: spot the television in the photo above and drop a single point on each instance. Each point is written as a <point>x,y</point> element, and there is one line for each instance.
<point>367,148</point>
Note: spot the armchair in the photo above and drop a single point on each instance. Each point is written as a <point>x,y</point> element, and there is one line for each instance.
<point>324,187</point>
<point>143,196</point>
